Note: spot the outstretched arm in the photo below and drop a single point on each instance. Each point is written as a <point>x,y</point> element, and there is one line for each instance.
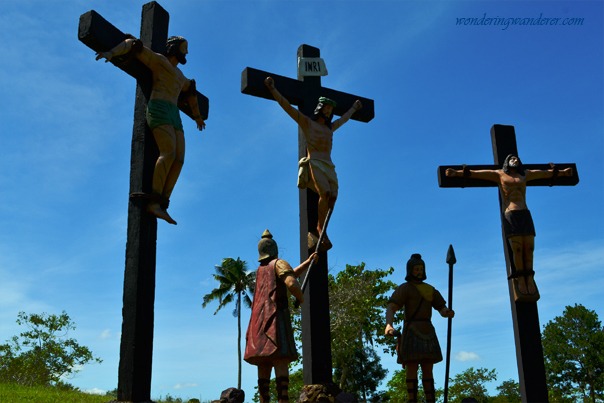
<point>130,44</point>
<point>490,175</point>
<point>532,174</point>
<point>283,102</point>
<point>292,284</point>
<point>345,117</point>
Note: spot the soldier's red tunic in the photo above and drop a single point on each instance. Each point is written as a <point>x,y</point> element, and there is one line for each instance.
<point>269,335</point>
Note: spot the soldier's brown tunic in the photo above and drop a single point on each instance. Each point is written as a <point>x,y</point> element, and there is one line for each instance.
<point>418,342</point>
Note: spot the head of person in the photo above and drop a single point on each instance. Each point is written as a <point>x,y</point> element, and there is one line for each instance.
<point>324,110</point>
<point>178,47</point>
<point>267,247</point>
<point>513,162</point>
<point>416,268</point>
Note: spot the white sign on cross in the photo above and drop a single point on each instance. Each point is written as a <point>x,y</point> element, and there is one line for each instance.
<point>311,66</point>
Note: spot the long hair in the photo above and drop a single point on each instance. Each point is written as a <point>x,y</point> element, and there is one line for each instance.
<point>506,164</point>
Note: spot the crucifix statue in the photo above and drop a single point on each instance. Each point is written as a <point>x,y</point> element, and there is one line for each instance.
<point>153,171</point>
<point>318,194</point>
<point>512,177</point>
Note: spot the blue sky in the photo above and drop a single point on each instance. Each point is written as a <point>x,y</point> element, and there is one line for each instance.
<point>438,88</point>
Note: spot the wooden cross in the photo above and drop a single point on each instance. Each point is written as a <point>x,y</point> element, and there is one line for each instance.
<point>525,316</point>
<point>136,350</point>
<point>304,93</point>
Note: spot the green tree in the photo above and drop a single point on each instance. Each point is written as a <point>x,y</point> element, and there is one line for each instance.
<point>236,283</point>
<point>471,383</point>
<point>43,354</point>
<point>509,392</point>
<point>365,372</point>
<point>357,302</point>
<point>572,346</point>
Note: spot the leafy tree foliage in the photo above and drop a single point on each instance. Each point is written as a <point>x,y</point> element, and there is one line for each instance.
<point>43,354</point>
<point>509,392</point>
<point>471,383</point>
<point>357,301</point>
<point>572,345</point>
<point>364,373</point>
<point>235,283</point>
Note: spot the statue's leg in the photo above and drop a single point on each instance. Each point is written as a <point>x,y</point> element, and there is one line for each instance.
<point>282,380</point>
<point>165,139</point>
<point>528,249</point>
<point>322,186</point>
<point>177,164</point>
<point>411,380</point>
<point>264,380</point>
<point>517,243</point>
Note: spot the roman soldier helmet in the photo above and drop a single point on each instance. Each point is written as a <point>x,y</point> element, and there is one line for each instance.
<point>415,259</point>
<point>267,247</point>
<point>173,48</point>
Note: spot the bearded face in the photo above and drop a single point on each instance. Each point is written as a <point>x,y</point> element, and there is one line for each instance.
<point>179,48</point>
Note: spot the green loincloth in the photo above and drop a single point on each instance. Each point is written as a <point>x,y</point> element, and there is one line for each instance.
<point>161,112</point>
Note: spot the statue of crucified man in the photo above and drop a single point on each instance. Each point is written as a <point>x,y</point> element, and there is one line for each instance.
<point>318,133</point>
<point>518,223</point>
<point>163,117</point>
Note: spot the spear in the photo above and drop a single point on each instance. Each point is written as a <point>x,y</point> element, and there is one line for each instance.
<point>450,261</point>
<point>296,304</point>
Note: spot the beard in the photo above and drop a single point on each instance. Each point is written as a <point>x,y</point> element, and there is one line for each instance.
<point>182,59</point>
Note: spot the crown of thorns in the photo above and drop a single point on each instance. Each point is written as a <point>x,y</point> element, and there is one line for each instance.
<point>175,39</point>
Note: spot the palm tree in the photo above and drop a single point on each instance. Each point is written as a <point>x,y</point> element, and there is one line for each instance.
<point>235,284</point>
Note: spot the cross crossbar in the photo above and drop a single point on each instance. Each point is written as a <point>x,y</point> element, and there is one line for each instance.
<point>252,83</point>
<point>100,35</point>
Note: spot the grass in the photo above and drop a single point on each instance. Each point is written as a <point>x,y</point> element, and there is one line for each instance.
<point>39,394</point>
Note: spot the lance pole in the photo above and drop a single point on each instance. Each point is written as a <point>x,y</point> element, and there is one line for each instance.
<point>450,261</point>
<point>316,248</point>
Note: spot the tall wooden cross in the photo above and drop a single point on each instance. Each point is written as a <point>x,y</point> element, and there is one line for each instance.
<point>304,93</point>
<point>136,351</point>
<point>525,316</point>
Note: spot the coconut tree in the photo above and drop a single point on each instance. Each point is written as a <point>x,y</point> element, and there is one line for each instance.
<point>235,283</point>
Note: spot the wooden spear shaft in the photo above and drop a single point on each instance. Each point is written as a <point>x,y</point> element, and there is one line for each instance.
<point>450,261</point>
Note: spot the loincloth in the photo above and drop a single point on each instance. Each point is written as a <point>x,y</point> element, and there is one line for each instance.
<point>518,223</point>
<point>161,112</point>
<point>328,169</point>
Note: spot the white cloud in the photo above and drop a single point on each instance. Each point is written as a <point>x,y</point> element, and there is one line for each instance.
<point>105,334</point>
<point>95,391</point>
<point>185,385</point>
<point>467,356</point>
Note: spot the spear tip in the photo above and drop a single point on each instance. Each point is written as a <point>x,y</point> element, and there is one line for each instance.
<point>451,256</point>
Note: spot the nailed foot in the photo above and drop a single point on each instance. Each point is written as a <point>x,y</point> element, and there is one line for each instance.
<point>157,211</point>
<point>313,239</point>
<point>525,289</point>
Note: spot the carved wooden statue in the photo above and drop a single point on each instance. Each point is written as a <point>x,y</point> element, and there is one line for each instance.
<point>163,117</point>
<point>518,223</point>
<point>417,345</point>
<point>317,170</point>
<point>269,338</point>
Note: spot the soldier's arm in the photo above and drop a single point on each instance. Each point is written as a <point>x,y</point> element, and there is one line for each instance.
<point>390,311</point>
